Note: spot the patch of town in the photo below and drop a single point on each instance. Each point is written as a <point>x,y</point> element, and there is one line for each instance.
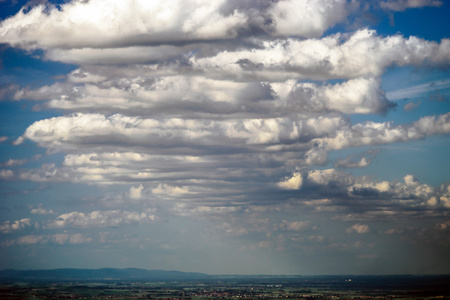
<point>226,289</point>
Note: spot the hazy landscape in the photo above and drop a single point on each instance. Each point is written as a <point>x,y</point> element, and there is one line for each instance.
<point>156,284</point>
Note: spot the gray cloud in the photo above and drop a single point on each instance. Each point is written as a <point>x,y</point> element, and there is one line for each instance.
<point>200,97</point>
<point>109,218</point>
<point>411,105</point>
<point>359,228</point>
<point>12,226</point>
<point>57,238</point>
<point>401,5</point>
<point>356,161</point>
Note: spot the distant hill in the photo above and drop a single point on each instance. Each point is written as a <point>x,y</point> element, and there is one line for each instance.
<point>98,274</point>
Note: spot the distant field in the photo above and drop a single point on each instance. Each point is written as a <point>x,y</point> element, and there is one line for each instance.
<point>236,287</point>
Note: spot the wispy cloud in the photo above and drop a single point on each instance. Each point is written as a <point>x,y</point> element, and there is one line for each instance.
<point>419,90</point>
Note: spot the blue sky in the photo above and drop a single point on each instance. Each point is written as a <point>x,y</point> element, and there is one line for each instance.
<point>226,137</point>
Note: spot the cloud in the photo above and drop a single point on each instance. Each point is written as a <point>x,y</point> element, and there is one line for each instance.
<point>130,55</point>
<point>324,177</point>
<point>346,163</point>
<point>199,96</point>
<point>31,240</point>
<point>307,18</point>
<point>64,238</point>
<point>166,94</point>
<point>119,23</point>
<point>352,198</point>
<point>363,53</point>
<point>359,228</point>
<point>136,192</point>
<point>371,133</point>
<point>293,183</point>
<point>42,93</point>
<point>18,141</point>
<point>41,211</point>
<point>58,239</point>
<point>95,130</point>
<point>6,174</point>
<point>293,226</point>
<point>445,200</point>
<point>167,190</point>
<point>46,173</point>
<point>93,25</point>
<point>401,5</point>
<point>356,161</point>
<point>13,226</point>
<point>101,39</point>
<point>418,90</point>
<point>195,210</point>
<point>79,238</point>
<point>171,158</point>
<point>3,138</point>
<point>411,105</point>
<point>13,162</point>
<point>356,96</point>
<point>396,230</point>
<point>109,218</point>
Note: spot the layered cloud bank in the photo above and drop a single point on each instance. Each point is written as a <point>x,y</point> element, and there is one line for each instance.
<point>96,24</point>
<point>224,112</point>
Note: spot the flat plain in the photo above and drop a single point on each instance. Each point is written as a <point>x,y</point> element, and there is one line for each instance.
<point>236,287</point>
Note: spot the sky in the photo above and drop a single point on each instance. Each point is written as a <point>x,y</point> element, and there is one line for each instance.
<point>226,137</point>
